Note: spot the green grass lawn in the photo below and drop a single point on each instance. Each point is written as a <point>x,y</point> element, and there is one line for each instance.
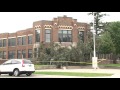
<point>112,65</point>
<point>42,65</point>
<point>74,74</point>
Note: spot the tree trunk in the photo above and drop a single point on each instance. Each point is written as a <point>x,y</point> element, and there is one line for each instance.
<point>114,59</point>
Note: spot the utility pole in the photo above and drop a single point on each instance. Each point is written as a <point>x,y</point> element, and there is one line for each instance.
<point>94,58</point>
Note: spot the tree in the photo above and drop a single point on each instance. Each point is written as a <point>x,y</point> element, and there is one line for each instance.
<point>99,25</point>
<point>113,29</point>
<point>41,54</point>
<point>106,45</point>
<point>80,53</point>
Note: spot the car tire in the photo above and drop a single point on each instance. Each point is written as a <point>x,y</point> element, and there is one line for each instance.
<point>28,74</point>
<point>10,74</point>
<point>16,72</point>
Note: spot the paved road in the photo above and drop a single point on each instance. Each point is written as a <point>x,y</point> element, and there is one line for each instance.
<point>115,72</point>
<point>37,76</point>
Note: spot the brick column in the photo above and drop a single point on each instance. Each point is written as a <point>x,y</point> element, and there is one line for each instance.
<point>55,33</point>
<point>7,48</point>
<point>74,34</point>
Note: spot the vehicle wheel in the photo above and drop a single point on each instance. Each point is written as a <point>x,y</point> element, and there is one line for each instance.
<point>16,72</point>
<point>28,74</point>
<point>10,74</point>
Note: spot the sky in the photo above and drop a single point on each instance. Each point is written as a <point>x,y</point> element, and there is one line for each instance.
<point>11,22</point>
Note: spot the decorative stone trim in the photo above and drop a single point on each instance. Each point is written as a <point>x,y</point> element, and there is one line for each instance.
<point>55,23</point>
<point>65,27</point>
<point>81,28</point>
<point>48,26</point>
<point>30,34</point>
<point>11,37</point>
<point>22,36</point>
<point>2,38</point>
<point>37,26</point>
<point>75,25</point>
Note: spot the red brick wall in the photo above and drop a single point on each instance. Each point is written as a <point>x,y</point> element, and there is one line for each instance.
<point>55,33</point>
<point>65,21</point>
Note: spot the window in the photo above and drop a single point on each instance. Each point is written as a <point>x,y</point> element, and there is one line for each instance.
<point>24,40</point>
<point>37,35</point>
<point>19,41</point>
<point>47,35</point>
<point>23,53</point>
<point>15,62</point>
<point>65,36</point>
<point>19,54</point>
<point>4,54</point>
<point>30,39</point>
<point>7,62</point>
<point>27,62</point>
<point>1,43</point>
<point>29,53</point>
<point>11,41</point>
<point>4,42</point>
<point>0,54</point>
<point>11,54</point>
<point>81,35</point>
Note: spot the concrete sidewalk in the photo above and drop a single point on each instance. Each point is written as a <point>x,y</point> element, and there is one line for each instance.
<point>115,72</point>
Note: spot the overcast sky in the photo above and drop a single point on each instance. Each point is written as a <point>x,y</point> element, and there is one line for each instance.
<point>14,21</point>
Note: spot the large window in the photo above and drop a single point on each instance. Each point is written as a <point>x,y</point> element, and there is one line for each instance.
<point>19,41</point>
<point>1,43</point>
<point>24,40</point>
<point>30,39</point>
<point>4,42</point>
<point>11,54</point>
<point>19,54</point>
<point>81,35</point>
<point>1,54</point>
<point>4,54</point>
<point>29,53</point>
<point>47,35</point>
<point>11,41</point>
<point>37,35</point>
<point>65,36</point>
<point>23,53</point>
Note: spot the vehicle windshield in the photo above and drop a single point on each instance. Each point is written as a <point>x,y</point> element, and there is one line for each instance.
<point>27,62</point>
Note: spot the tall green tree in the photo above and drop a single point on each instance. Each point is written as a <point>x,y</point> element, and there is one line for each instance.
<point>111,40</point>
<point>99,25</point>
<point>106,45</point>
<point>81,52</point>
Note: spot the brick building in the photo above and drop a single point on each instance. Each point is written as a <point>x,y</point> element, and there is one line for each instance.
<point>63,30</point>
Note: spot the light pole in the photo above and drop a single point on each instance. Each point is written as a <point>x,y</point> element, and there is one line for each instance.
<point>94,58</point>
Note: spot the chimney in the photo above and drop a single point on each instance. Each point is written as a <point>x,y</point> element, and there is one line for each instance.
<point>64,16</point>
